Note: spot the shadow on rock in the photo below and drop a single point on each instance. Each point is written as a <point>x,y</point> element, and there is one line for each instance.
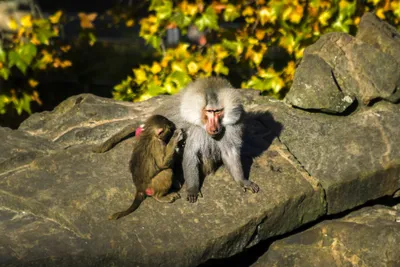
<point>260,129</point>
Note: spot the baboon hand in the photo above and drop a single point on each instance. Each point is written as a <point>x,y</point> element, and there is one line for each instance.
<point>178,135</point>
<point>193,194</point>
<point>248,185</point>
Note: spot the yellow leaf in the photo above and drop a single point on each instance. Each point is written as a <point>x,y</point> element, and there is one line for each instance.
<point>35,97</point>
<point>250,20</point>
<point>129,23</point>
<point>140,76</point>
<point>144,97</point>
<point>57,63</point>
<point>188,9</point>
<point>47,57</point>
<point>221,68</point>
<point>297,14</point>
<point>267,14</point>
<point>290,69</point>
<point>12,24</point>
<point>207,66</point>
<point>380,13</point>
<point>56,17</point>
<point>87,19</point>
<point>260,34</point>
<point>178,66</point>
<point>192,68</point>
<point>156,68</point>
<point>65,48</point>
<point>324,17</point>
<point>21,31</point>
<point>257,58</point>
<point>166,60</point>
<point>343,4</point>
<point>26,21</point>
<point>248,11</point>
<point>33,83</point>
<point>66,64</point>
<point>220,51</point>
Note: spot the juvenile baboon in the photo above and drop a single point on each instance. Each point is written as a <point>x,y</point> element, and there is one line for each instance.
<point>151,163</point>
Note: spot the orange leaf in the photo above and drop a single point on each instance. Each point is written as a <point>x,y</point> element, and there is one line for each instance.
<point>33,83</point>
<point>87,19</point>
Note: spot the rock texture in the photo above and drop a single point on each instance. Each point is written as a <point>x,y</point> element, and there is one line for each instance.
<point>368,237</point>
<point>56,194</point>
<point>60,200</point>
<point>355,158</point>
<point>366,67</point>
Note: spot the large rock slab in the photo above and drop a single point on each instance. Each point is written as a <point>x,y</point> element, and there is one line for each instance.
<point>54,210</point>
<point>368,237</point>
<point>355,158</point>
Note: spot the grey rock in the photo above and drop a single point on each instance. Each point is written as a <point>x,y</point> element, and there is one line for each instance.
<point>360,69</point>
<point>314,87</point>
<point>355,158</point>
<point>379,34</point>
<point>367,237</point>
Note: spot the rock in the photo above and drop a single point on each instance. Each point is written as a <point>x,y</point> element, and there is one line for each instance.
<point>86,119</point>
<point>360,69</point>
<point>367,237</point>
<point>317,91</point>
<point>338,68</point>
<point>379,34</point>
<point>355,158</point>
<point>55,205</point>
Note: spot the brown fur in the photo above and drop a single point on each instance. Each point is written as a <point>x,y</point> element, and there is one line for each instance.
<point>151,162</point>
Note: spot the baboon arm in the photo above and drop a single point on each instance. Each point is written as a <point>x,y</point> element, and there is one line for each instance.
<point>190,165</point>
<point>231,160</point>
<point>165,154</point>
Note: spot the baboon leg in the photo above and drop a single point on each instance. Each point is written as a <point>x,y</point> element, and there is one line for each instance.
<point>161,184</point>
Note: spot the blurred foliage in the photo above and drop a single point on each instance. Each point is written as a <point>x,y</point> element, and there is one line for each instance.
<point>255,42</point>
<point>26,50</point>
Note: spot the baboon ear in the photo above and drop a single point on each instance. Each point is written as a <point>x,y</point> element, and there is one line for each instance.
<point>159,131</point>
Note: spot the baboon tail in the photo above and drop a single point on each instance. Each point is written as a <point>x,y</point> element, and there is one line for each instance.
<point>140,196</point>
<point>119,136</point>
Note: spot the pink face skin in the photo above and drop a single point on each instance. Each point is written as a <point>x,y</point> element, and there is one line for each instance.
<point>212,118</point>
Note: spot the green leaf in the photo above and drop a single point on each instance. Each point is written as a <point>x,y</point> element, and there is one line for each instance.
<point>207,20</point>
<point>181,19</point>
<point>155,3</point>
<point>234,47</point>
<point>27,52</point>
<point>3,55</point>
<point>231,13</point>
<point>5,73</point>
<point>179,79</point>
<point>164,11</point>
<point>153,40</point>
<point>43,35</point>
<point>15,59</point>
<point>154,89</point>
